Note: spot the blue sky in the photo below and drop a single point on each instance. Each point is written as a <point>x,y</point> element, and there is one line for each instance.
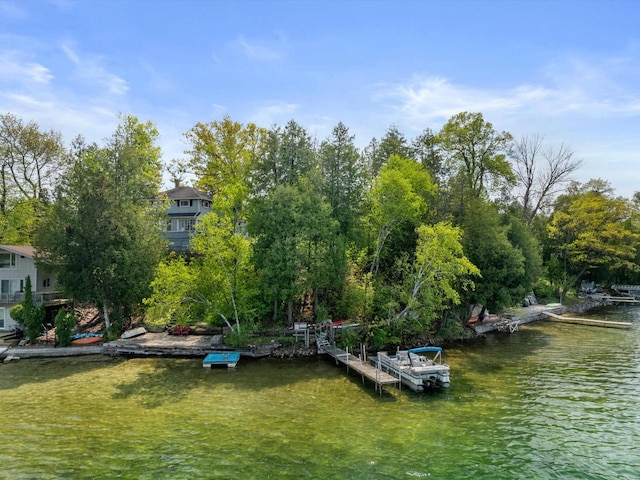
<point>567,70</point>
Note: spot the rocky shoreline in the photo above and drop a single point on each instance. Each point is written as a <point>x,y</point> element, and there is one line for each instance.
<point>163,344</point>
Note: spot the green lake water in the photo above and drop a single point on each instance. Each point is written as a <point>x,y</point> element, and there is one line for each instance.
<point>550,401</point>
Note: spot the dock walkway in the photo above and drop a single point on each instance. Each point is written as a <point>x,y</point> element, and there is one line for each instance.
<point>587,321</point>
<point>364,368</point>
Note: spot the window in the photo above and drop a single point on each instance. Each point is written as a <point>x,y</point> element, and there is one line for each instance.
<point>184,203</point>
<point>46,282</point>
<point>206,203</point>
<point>3,325</point>
<point>182,224</point>
<point>8,286</point>
<point>7,260</point>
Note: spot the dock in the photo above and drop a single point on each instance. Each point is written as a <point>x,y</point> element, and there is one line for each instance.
<point>587,321</point>
<point>360,365</point>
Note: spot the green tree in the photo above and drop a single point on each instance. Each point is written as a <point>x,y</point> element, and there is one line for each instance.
<point>502,265</point>
<point>172,293</point>
<point>440,270</point>
<point>31,316</point>
<point>378,153</point>
<point>222,156</point>
<point>64,323</point>
<point>294,232</point>
<point>224,273</point>
<point>476,156</point>
<point>288,155</point>
<point>400,195</point>
<point>31,163</point>
<point>344,180</point>
<point>590,229</point>
<point>101,237</point>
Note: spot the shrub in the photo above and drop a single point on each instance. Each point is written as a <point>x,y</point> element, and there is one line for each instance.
<point>64,322</point>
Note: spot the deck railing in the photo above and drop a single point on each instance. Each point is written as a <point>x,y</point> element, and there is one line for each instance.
<point>38,297</point>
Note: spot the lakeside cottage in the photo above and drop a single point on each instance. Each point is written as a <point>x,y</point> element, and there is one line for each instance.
<point>187,205</point>
<point>16,263</point>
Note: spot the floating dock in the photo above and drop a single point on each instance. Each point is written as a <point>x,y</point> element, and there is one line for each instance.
<point>226,359</point>
<point>587,321</point>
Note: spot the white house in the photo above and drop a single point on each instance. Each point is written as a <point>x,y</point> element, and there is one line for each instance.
<point>16,263</point>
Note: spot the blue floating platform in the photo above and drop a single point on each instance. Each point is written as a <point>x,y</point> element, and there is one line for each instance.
<point>228,359</point>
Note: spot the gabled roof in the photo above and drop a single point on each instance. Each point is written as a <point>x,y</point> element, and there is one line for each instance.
<point>186,193</point>
<point>25,250</point>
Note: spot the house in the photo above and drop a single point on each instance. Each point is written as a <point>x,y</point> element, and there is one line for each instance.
<point>16,263</point>
<point>187,205</point>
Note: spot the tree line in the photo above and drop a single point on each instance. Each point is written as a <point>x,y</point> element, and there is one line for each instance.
<point>404,235</point>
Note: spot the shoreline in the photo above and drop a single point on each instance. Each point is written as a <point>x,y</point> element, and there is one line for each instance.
<point>164,345</point>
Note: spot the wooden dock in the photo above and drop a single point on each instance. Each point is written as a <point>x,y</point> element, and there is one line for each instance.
<point>364,368</point>
<point>587,321</point>
<point>611,299</point>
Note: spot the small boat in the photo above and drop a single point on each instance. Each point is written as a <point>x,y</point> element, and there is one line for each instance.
<point>416,371</point>
<point>86,338</point>
<point>134,332</point>
<point>230,359</point>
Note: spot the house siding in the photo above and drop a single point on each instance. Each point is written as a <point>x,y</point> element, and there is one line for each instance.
<point>181,220</point>
<point>13,279</point>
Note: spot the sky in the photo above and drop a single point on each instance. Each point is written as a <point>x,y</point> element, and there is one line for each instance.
<point>565,70</point>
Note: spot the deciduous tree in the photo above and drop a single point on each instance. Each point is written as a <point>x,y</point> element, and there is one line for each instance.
<point>589,229</point>
<point>541,172</point>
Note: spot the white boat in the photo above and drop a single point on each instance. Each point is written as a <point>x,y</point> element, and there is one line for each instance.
<point>418,368</point>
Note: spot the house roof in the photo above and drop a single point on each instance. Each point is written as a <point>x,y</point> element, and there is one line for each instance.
<point>25,250</point>
<point>186,193</point>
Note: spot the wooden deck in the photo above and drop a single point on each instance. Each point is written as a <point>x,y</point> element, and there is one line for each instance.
<point>361,366</point>
<point>587,321</point>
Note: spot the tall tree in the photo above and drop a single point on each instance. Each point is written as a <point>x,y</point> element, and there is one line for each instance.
<point>425,149</point>
<point>343,175</point>
<point>541,172</point>
<point>289,153</point>
<point>440,270</point>
<point>31,163</point>
<point>222,155</point>
<point>295,242</point>
<point>400,195</point>
<point>486,243</point>
<point>590,229</point>
<point>101,237</point>
<point>393,143</point>
<point>476,154</point>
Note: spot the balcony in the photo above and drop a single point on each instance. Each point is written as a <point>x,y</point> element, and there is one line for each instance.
<point>39,298</point>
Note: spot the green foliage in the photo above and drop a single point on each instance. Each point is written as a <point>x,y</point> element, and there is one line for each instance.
<point>476,155</point>
<point>348,338</point>
<point>440,271</point>
<point>399,197</point>
<point>64,323</point>
<point>502,266</point>
<point>589,230</point>
<point>32,316</point>
<point>17,313</point>
<point>101,237</point>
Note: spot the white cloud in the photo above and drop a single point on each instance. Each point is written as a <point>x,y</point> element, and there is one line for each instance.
<point>14,65</point>
<point>91,69</point>
<point>261,51</point>
<point>275,112</point>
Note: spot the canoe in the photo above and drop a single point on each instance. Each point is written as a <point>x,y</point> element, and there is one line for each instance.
<point>87,340</point>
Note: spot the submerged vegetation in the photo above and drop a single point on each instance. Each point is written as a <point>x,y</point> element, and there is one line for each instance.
<point>405,235</point>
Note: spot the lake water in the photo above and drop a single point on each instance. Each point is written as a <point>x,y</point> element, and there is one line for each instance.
<point>550,401</point>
